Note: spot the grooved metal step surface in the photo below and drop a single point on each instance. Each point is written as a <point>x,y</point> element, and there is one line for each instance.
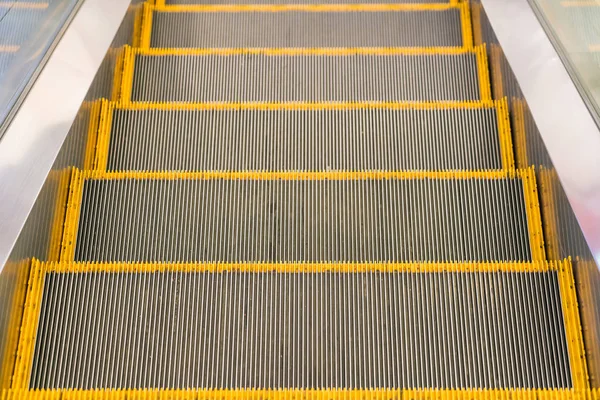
<point>186,327</point>
<point>291,28</point>
<point>308,218</point>
<point>310,138</point>
<point>308,76</point>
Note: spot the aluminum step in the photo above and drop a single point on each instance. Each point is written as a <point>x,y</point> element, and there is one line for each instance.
<point>305,137</point>
<point>303,217</point>
<point>306,75</point>
<point>336,25</point>
<point>301,326</point>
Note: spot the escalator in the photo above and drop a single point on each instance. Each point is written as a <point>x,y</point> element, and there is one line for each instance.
<point>297,201</point>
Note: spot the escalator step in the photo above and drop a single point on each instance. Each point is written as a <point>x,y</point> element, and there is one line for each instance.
<point>395,25</point>
<point>303,326</point>
<point>303,217</point>
<point>309,137</point>
<point>306,75</point>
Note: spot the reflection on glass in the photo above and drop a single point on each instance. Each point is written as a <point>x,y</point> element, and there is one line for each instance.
<point>575,24</point>
<point>27,30</point>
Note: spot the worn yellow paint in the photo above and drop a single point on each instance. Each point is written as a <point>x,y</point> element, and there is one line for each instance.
<point>506,146</point>
<point>94,123</point>
<point>118,74</point>
<point>547,178</point>
<point>16,305</point>
<point>60,206</point>
<point>146,28</point>
<point>306,394</point>
<point>306,7</point>
<point>534,218</point>
<point>103,142</point>
<point>138,9</point>
<point>83,267</point>
<point>518,116</point>
<point>498,81</point>
<point>72,216</point>
<point>308,51</point>
<point>476,21</point>
<point>465,23</point>
<point>579,372</point>
<point>24,356</point>
<point>483,73</point>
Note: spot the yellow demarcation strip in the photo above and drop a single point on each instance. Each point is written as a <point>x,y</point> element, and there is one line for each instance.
<point>72,216</point>
<point>13,325</point>
<point>498,81</point>
<point>108,108</point>
<point>506,146</point>
<point>527,176</point>
<point>126,81</point>
<point>463,8</point>
<point>31,312</point>
<point>34,299</point>
<point>518,115</point>
<point>547,178</point>
<point>103,142</point>
<point>577,360</point>
<point>484,73</point>
<point>137,24</point>
<point>476,21</point>
<point>307,394</point>
<point>92,136</point>
<point>60,207</point>
<point>306,7</point>
<point>534,217</point>
<point>466,25</point>
<point>16,4</point>
<point>146,28</point>
<point>309,51</point>
<point>83,267</point>
<point>118,75</point>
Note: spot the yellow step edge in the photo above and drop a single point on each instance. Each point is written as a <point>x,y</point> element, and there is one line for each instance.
<point>16,305</point>
<point>124,72</point>
<point>24,357</point>
<point>59,215</point>
<point>464,9</point>
<point>530,197</point>
<point>496,56</point>
<point>308,394</point>
<point>329,267</point>
<point>548,179</point>
<point>518,116</point>
<point>104,127</point>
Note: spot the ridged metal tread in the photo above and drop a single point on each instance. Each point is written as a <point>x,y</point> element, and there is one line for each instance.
<point>300,326</point>
<point>304,217</point>
<point>425,27</point>
<point>307,137</point>
<point>18,23</point>
<point>310,75</point>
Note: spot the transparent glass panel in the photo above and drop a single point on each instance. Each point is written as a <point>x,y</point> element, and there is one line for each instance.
<point>575,27</point>
<point>28,29</point>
